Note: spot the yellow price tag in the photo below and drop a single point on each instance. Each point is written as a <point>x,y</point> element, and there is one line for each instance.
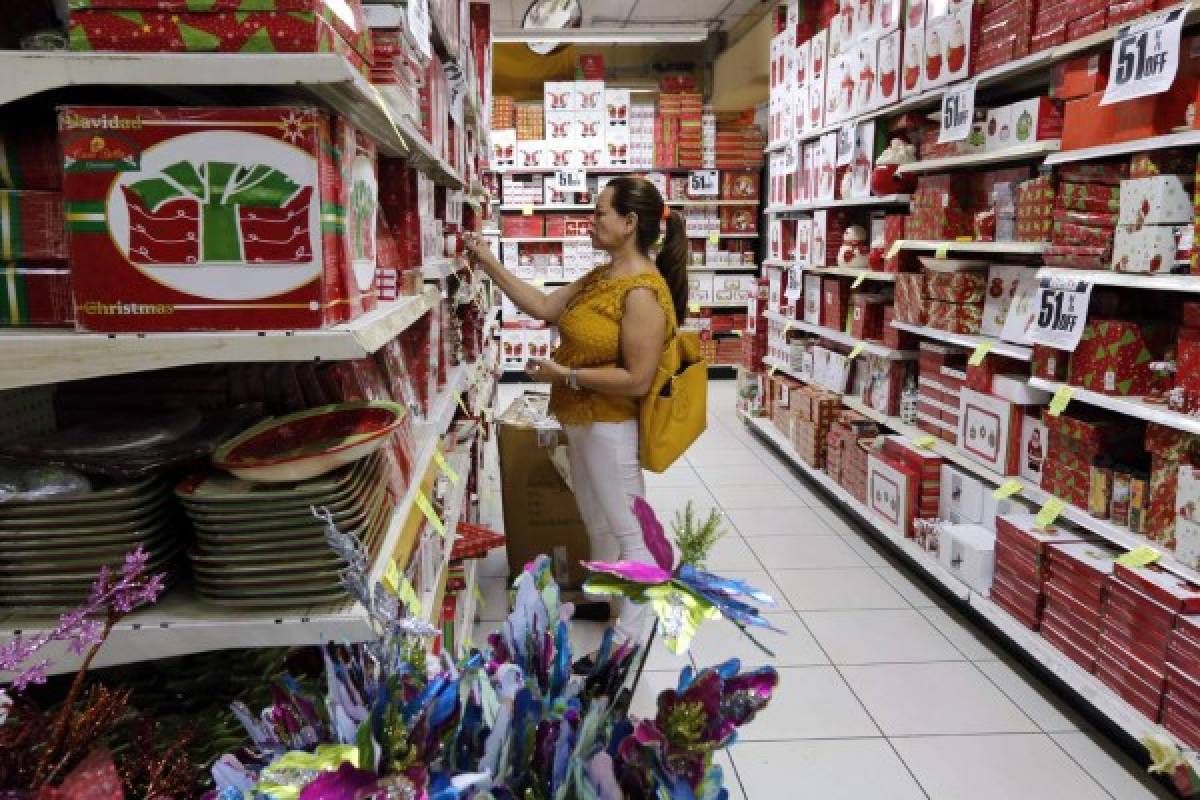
<point>1049,512</point>
<point>941,251</point>
<point>714,238</point>
<point>430,514</point>
<point>527,211</point>
<point>862,276</point>
<point>736,332</point>
<point>478,596</point>
<point>693,308</point>
<point>392,577</point>
<point>463,405</point>
<point>539,282</point>
<point>1058,403</point>
<point>1007,489</point>
<point>894,250</point>
<point>924,442</point>
<point>981,351</point>
<point>857,351</point>
<point>408,596</point>
<point>445,467</point>
<point>1140,556</point>
<point>787,326</point>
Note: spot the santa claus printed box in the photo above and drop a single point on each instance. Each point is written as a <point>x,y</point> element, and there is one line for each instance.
<point>205,218</point>
<point>224,26</point>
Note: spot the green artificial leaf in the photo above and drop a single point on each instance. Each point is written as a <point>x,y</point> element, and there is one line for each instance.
<point>366,746</point>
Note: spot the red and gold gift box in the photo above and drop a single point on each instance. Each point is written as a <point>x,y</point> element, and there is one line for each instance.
<point>1089,197</point>
<point>318,27</point>
<point>835,299</point>
<point>955,317</point>
<point>1048,363</point>
<point>1114,355</point>
<point>31,226</point>
<point>912,302</point>
<point>1160,510</point>
<point>1078,256</point>
<point>204,218</point>
<point>33,295</point>
<point>29,157</point>
<point>866,315</point>
<point>956,287</point>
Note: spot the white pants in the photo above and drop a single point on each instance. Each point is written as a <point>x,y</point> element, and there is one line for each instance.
<point>607,475</point>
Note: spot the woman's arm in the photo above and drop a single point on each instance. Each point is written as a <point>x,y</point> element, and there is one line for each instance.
<point>643,336</point>
<point>530,299</point>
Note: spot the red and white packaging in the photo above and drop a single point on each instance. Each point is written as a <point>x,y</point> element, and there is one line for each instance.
<point>989,430</point>
<point>1176,593</point>
<point>891,493</point>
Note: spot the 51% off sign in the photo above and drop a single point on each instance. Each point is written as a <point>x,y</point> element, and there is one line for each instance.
<point>1062,307</point>
<point>1145,56</point>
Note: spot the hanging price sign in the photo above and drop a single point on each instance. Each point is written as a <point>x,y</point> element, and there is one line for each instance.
<point>570,180</point>
<point>1145,57</point>
<point>1062,307</point>
<point>704,183</point>
<point>958,109</point>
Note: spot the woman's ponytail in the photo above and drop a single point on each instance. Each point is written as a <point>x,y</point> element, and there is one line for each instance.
<point>672,262</point>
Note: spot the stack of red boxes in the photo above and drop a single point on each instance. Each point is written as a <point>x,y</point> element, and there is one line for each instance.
<point>504,113</point>
<point>1141,608</point>
<point>1005,31</point>
<point>866,314</point>
<point>400,208</point>
<point>691,123</point>
<point>941,378</point>
<point>1188,350</point>
<point>893,337</point>
<point>754,338</point>
<point>835,302</point>
<point>1076,577</point>
<point>435,107</point>
<point>1035,208</point>
<point>572,225</point>
<point>531,121</point>
<point>927,465</point>
<point>1181,706</point>
<point>956,300</point>
<point>939,208</point>
<point>979,377</point>
<point>781,399</point>
<point>521,226</point>
<point>1085,216</point>
<point>893,231</point>
<point>1061,21</point>
<point>1076,438</point>
<point>813,410</point>
<point>903,484</point>
<point>849,440</point>
<point>1168,449</point>
<point>912,298</point>
<point>739,145</point>
<point>1017,585</point>
<point>666,131</point>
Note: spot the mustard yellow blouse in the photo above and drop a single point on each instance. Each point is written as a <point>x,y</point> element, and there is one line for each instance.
<point>590,329</point>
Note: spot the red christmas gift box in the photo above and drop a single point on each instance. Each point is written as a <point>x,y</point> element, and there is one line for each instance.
<point>35,295</point>
<point>1049,363</point>
<point>891,492</point>
<point>866,315</point>
<point>835,297</point>
<point>1089,197</point>
<point>956,287</point>
<point>989,430</point>
<point>739,185</point>
<point>1177,594</point>
<point>31,226</point>
<point>1078,256</point>
<point>29,157</point>
<point>912,303</point>
<point>203,218</point>
<point>357,159</point>
<point>738,219</point>
<point>955,317</point>
<point>1114,355</point>
<point>319,26</point>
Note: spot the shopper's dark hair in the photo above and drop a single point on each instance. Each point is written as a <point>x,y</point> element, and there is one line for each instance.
<point>639,196</point>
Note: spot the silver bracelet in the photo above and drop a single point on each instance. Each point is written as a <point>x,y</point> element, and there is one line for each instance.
<point>573,379</point>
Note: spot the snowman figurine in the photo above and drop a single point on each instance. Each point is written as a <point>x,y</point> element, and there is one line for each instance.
<point>855,249</point>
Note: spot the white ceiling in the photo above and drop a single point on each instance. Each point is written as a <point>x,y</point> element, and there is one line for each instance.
<point>717,14</point>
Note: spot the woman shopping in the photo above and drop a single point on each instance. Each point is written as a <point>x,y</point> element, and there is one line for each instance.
<point>614,324</point>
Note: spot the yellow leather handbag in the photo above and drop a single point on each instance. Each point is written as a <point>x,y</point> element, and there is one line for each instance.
<point>675,412</point>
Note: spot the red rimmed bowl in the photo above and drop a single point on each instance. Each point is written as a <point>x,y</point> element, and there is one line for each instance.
<point>310,443</point>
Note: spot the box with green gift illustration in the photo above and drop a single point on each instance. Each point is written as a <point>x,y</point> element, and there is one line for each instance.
<point>204,218</point>
<point>225,26</point>
<point>1114,355</point>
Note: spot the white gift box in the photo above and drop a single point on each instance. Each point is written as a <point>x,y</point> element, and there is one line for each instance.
<point>558,96</point>
<point>912,69</point>
<point>1159,200</point>
<point>589,97</point>
<point>1148,249</point>
<point>969,552</point>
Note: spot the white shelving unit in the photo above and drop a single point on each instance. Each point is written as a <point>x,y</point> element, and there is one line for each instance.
<point>852,272</point>
<point>30,357</point>
<point>832,335</point>
<point>1086,685</point>
<point>1127,406</point>
<point>431,596</point>
<point>1000,348</point>
<point>852,202</point>
<point>1027,152</point>
<point>1186,138</point>
<point>988,248</point>
<point>545,239</point>
<point>1127,280</point>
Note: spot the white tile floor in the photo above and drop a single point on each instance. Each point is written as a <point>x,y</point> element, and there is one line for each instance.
<point>884,692</point>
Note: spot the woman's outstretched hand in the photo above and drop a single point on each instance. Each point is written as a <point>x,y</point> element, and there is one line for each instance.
<point>543,370</point>
<point>478,248</point>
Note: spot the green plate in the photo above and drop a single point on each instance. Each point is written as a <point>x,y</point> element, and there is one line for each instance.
<point>222,490</point>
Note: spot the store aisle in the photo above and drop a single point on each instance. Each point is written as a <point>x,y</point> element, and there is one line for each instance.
<point>884,692</point>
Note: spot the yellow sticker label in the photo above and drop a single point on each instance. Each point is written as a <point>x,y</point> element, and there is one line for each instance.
<point>862,276</point>
<point>941,251</point>
<point>392,577</point>
<point>693,308</point>
<point>924,442</point>
<point>714,238</point>
<point>445,467</point>
<point>1140,556</point>
<point>1007,489</point>
<point>1049,512</point>
<point>463,405</point>
<point>857,351</point>
<point>1058,403</point>
<point>894,250</point>
<point>981,351</point>
<point>736,332</point>
<point>430,514</point>
<point>539,282</point>
<point>408,596</point>
<point>478,596</point>
<point>527,211</point>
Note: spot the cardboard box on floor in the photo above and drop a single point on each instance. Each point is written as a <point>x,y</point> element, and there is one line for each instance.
<point>540,514</point>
